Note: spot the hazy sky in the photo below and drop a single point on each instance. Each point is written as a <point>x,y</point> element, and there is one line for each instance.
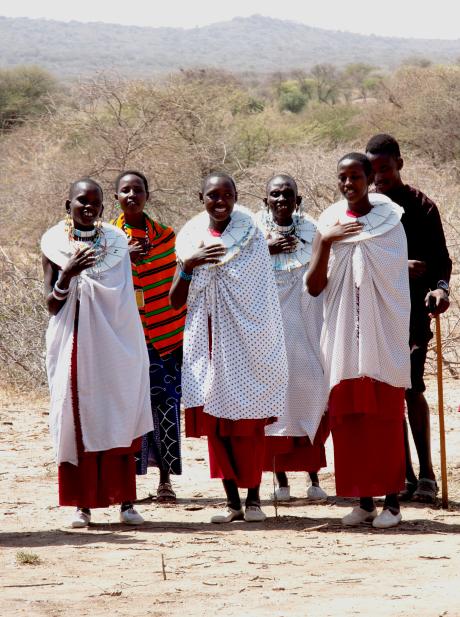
<point>407,18</point>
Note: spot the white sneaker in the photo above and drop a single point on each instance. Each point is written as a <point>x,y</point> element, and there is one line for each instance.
<point>253,514</point>
<point>228,515</point>
<point>80,519</point>
<point>357,516</point>
<point>131,517</point>
<point>282,493</point>
<point>386,519</point>
<point>316,493</point>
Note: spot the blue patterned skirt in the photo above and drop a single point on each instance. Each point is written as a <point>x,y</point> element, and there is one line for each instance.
<point>161,447</point>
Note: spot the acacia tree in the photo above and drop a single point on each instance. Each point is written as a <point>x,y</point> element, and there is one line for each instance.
<point>326,78</point>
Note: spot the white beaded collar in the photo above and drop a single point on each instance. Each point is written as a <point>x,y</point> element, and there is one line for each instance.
<point>385,215</point>
<point>55,244</point>
<point>237,234</point>
<point>304,230</point>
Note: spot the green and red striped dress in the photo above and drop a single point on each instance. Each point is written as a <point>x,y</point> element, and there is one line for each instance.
<point>163,329</point>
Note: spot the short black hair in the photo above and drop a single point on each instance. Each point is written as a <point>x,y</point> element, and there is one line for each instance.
<point>285,177</point>
<point>131,172</point>
<point>359,157</point>
<point>218,174</point>
<point>84,180</point>
<point>382,143</point>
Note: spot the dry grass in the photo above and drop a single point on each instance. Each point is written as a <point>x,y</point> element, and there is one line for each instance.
<point>175,133</point>
<point>24,558</point>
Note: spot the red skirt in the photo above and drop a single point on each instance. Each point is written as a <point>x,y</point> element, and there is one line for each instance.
<point>100,479</point>
<point>366,418</point>
<point>236,447</point>
<point>297,453</point>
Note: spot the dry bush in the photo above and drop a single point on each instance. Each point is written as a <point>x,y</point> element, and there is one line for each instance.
<point>23,320</point>
<point>175,132</point>
<point>420,106</point>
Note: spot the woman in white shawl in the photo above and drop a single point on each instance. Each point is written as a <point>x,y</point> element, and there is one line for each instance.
<point>365,339</point>
<point>234,372</point>
<point>296,441</point>
<point>96,359</point>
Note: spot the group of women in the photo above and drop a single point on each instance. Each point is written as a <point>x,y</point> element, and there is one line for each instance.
<point>275,329</point>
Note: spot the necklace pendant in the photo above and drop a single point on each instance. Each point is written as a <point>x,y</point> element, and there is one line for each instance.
<point>140,301</point>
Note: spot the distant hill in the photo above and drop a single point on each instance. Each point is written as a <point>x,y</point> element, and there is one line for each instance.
<point>259,44</point>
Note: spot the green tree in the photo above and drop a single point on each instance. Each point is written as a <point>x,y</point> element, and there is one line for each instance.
<point>291,97</point>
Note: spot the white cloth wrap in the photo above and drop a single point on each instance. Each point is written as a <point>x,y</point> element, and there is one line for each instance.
<point>302,315</point>
<point>367,301</point>
<point>246,375</point>
<point>307,393</point>
<point>113,366</point>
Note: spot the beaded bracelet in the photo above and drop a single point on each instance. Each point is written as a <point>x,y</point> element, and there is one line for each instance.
<point>62,292</point>
<point>185,276</point>
<point>58,297</point>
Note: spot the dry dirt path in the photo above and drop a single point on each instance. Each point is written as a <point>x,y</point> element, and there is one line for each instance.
<point>301,564</point>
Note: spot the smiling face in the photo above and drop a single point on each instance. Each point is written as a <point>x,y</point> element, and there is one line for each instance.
<point>85,204</point>
<point>219,197</point>
<point>386,170</point>
<point>353,183</point>
<point>282,199</point>
<point>132,194</point>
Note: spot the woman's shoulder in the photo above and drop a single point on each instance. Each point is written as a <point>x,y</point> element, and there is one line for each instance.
<point>161,228</point>
<point>384,215</point>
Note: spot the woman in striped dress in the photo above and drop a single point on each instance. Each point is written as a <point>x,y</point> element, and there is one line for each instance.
<point>153,260</point>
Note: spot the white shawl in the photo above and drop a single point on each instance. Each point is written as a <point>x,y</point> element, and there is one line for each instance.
<point>366,300</point>
<point>246,374</point>
<point>307,393</point>
<point>113,369</point>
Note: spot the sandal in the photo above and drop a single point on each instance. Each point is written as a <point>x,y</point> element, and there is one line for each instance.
<point>426,491</point>
<point>408,492</point>
<point>165,493</point>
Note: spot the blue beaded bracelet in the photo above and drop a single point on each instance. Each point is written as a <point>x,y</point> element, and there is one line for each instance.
<point>185,276</point>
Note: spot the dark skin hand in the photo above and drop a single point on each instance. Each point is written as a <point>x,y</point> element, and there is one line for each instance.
<point>284,244</point>
<point>437,301</point>
<point>416,268</point>
<point>317,273</point>
<point>82,259</point>
<point>138,249</point>
<point>205,255</point>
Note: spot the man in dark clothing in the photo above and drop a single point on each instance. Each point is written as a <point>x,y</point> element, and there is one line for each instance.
<point>429,273</point>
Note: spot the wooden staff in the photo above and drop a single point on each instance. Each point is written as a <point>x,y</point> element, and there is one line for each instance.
<point>442,431</point>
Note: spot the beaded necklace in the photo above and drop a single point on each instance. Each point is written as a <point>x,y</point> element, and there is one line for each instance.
<point>147,242</point>
<point>96,239</point>
<point>284,230</point>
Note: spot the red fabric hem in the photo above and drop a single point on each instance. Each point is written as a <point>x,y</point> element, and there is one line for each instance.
<point>364,395</point>
<point>200,424</point>
<point>100,479</point>
<point>368,436</point>
<point>297,453</point>
<point>236,447</point>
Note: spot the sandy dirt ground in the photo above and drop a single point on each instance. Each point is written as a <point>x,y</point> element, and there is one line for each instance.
<point>300,563</point>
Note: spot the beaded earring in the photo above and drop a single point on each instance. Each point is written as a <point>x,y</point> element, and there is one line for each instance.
<point>68,224</point>
<point>117,205</point>
<point>98,223</point>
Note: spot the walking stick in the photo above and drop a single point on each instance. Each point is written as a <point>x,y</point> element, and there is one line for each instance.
<point>442,431</point>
